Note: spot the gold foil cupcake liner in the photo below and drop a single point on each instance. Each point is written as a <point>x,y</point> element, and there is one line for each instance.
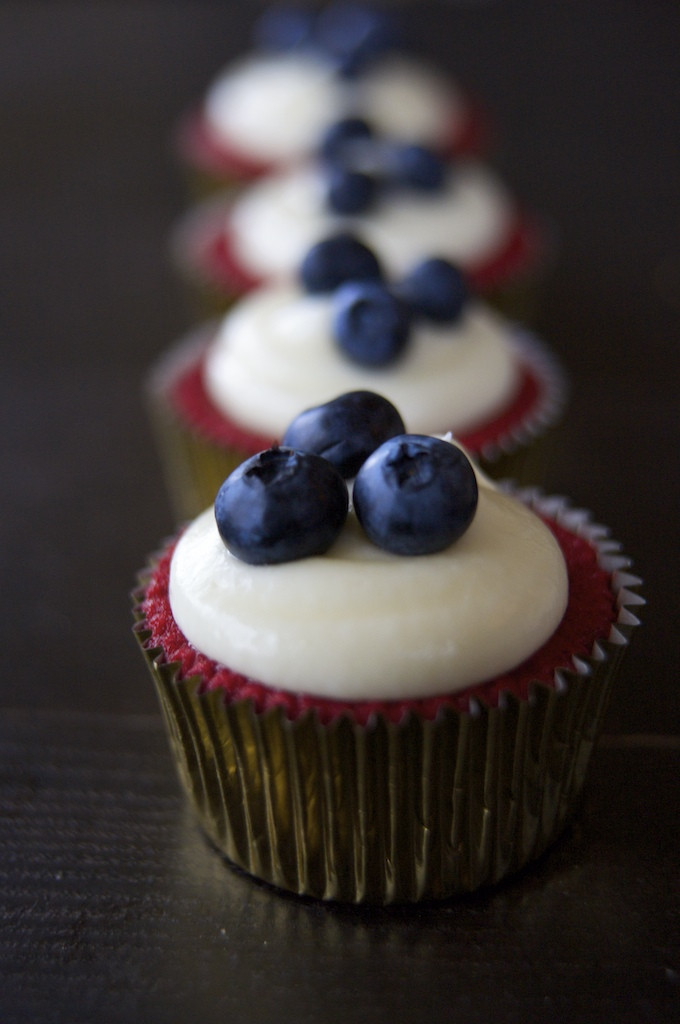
<point>209,295</point>
<point>519,297</point>
<point>202,185</point>
<point>195,466</point>
<point>390,812</point>
<point>523,453</point>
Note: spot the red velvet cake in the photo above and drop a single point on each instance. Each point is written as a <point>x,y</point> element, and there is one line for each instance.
<point>396,800</point>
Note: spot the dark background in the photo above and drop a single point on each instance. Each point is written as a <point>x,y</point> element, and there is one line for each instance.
<point>112,907</point>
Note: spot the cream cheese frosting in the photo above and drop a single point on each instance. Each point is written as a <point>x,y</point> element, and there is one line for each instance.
<point>274,355</point>
<point>275,107</point>
<point>360,624</point>
<point>274,222</point>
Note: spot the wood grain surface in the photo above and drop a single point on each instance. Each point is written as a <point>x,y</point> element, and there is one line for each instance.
<point>112,907</point>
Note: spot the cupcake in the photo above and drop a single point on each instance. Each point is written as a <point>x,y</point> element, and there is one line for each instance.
<point>387,699</point>
<point>269,109</point>
<point>403,200</point>
<point>446,359</point>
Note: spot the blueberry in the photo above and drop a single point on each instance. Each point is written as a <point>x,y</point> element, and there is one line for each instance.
<point>283,28</point>
<point>435,289</point>
<point>417,167</point>
<point>339,137</point>
<point>337,259</point>
<point>345,430</point>
<point>349,191</point>
<point>370,324</point>
<point>281,505</point>
<point>415,495</point>
<point>354,34</point>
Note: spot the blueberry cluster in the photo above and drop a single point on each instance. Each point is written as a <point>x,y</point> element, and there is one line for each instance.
<point>360,166</point>
<point>413,494</point>
<point>371,319</point>
<point>350,35</point>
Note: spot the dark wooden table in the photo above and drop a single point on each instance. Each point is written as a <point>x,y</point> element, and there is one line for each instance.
<point>112,906</point>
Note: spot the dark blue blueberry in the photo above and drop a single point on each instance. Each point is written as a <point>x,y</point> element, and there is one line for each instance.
<point>417,167</point>
<point>284,28</point>
<point>337,259</point>
<point>415,495</point>
<point>339,138</point>
<point>435,289</point>
<point>370,324</point>
<point>349,191</point>
<point>354,35</point>
<point>281,505</point>
<point>345,430</point>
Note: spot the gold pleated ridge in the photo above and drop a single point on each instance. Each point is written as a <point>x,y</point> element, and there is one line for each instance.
<point>396,812</point>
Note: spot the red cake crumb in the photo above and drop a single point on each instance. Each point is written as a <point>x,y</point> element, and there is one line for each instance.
<point>192,402</point>
<point>590,613</point>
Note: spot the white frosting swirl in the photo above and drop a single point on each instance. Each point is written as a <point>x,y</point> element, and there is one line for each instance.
<point>361,624</point>
<point>274,355</point>
<point>275,107</point>
<point>274,222</point>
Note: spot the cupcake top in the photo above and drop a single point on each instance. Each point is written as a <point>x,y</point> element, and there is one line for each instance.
<point>275,354</point>
<point>355,620</point>
<point>275,107</point>
<point>287,346</point>
<point>466,218</point>
<point>308,69</point>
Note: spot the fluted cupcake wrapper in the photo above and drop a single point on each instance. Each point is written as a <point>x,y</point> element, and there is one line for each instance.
<point>195,466</point>
<point>396,812</point>
<point>523,452</point>
<point>210,292</point>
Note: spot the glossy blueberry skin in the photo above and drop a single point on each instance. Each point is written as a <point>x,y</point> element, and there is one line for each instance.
<point>354,34</point>
<point>338,139</point>
<point>435,289</point>
<point>415,495</point>
<point>417,167</point>
<point>349,191</point>
<point>283,28</point>
<point>370,324</point>
<point>337,259</point>
<point>281,505</point>
<point>345,430</point>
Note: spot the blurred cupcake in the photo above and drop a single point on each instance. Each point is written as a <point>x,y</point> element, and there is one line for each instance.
<point>270,108</point>
<point>447,360</point>
<point>403,200</point>
<point>361,713</point>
